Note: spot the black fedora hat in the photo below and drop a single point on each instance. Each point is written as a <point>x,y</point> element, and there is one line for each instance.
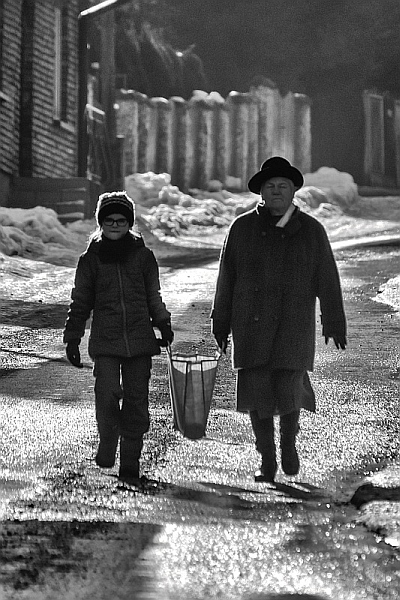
<point>277,166</point>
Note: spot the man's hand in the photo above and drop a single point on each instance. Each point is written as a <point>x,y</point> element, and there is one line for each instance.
<point>222,341</point>
<point>73,354</point>
<point>340,341</point>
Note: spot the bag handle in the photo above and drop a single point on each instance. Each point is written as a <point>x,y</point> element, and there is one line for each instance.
<point>168,349</point>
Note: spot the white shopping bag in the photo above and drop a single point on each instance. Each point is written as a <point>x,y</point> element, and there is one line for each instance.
<point>191,381</point>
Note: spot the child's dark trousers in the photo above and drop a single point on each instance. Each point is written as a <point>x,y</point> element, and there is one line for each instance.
<point>122,406</point>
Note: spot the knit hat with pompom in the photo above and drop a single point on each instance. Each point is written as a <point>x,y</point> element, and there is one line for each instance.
<point>115,203</point>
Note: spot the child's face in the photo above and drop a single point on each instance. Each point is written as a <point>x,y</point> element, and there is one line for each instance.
<point>115,226</point>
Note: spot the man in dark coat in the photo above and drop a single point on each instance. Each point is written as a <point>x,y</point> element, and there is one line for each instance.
<point>275,262</point>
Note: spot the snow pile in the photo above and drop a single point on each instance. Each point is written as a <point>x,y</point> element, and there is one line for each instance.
<point>145,188</point>
<point>168,211</point>
<point>26,231</point>
<point>336,187</point>
<point>37,233</point>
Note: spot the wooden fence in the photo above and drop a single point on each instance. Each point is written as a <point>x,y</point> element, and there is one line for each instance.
<point>211,138</point>
<point>382,140</point>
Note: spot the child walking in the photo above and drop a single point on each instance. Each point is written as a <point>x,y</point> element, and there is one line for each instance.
<point>117,281</point>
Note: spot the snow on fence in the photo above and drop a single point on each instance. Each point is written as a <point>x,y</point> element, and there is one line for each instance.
<point>210,138</point>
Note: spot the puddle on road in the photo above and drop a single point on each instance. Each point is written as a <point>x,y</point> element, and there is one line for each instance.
<point>56,558</point>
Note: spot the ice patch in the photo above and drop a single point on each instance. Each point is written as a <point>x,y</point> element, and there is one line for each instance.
<point>389,293</point>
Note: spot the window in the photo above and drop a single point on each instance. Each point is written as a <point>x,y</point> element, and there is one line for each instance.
<point>61,63</point>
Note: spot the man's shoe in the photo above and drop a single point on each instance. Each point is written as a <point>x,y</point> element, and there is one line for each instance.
<point>290,459</point>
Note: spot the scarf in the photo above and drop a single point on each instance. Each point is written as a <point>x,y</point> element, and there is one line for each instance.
<point>112,251</point>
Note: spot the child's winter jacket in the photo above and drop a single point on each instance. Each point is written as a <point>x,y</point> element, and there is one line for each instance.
<point>123,292</point>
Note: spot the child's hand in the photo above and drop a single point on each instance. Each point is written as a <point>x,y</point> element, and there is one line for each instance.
<point>167,335</point>
<point>73,354</point>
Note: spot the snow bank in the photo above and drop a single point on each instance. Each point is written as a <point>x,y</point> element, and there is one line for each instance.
<point>26,231</point>
<point>161,208</point>
<point>165,211</point>
<point>331,186</point>
<point>36,232</point>
<point>168,211</point>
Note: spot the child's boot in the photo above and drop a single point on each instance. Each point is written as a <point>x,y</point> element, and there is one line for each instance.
<point>130,451</point>
<point>105,456</point>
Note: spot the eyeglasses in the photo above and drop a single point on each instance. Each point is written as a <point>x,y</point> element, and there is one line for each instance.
<point>110,222</point>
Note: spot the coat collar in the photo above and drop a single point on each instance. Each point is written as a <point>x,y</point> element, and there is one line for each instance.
<point>268,221</point>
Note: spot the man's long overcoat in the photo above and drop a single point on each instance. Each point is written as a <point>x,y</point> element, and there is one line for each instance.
<point>268,283</point>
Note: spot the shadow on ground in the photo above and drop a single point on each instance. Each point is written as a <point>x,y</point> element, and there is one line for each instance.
<point>35,315</point>
<point>233,498</point>
<point>372,493</point>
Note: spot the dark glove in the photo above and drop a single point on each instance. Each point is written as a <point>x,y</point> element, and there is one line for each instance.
<point>167,335</point>
<point>73,354</point>
<point>337,331</point>
<point>339,340</point>
<point>222,341</point>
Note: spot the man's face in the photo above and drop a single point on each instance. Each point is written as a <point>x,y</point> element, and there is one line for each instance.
<point>277,194</point>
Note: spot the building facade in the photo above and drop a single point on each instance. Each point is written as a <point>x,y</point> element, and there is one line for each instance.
<point>38,91</point>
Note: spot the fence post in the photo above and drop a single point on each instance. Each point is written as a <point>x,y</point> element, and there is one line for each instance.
<point>205,146</point>
<point>239,103</point>
<point>163,135</point>
<point>397,134</point>
<point>288,129</point>
<point>180,168</point>
<point>268,121</point>
<point>119,162</point>
<point>253,159</point>
<point>146,138</point>
<point>222,142</point>
<point>127,126</point>
<point>302,133</point>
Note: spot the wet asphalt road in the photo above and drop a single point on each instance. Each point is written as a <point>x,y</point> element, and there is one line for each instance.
<point>205,529</point>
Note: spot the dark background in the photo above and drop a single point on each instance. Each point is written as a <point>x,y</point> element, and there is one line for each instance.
<point>330,50</point>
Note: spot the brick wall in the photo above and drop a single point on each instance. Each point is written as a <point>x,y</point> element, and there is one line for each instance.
<point>9,86</point>
<point>53,144</point>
